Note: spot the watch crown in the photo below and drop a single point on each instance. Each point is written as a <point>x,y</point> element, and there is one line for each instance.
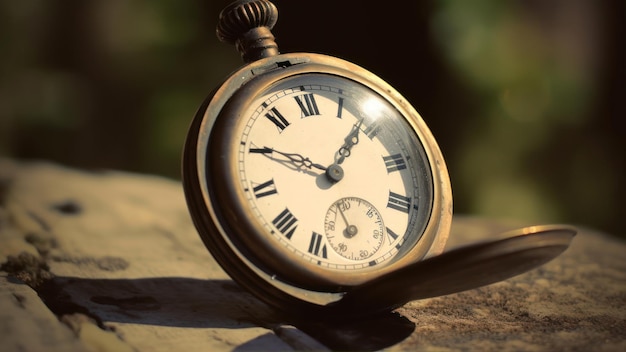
<point>247,24</point>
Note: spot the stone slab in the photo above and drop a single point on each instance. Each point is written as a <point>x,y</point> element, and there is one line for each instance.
<point>110,261</point>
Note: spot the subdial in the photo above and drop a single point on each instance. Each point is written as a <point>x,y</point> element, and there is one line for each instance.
<point>354,228</point>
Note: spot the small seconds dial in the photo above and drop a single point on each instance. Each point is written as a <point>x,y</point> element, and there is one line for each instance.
<point>354,228</point>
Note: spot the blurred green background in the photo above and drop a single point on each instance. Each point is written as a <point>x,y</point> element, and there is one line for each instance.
<point>524,97</point>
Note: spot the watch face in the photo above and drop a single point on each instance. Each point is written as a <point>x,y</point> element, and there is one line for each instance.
<point>320,178</point>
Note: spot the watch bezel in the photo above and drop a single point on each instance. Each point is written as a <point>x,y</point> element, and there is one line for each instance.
<point>218,225</point>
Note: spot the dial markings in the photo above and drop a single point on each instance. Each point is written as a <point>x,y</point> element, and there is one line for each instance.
<point>394,162</point>
<point>316,247</point>
<point>359,239</point>
<point>339,107</point>
<point>399,202</point>
<point>264,189</point>
<point>392,235</point>
<point>308,107</point>
<point>286,223</point>
<point>277,119</point>
<point>257,150</point>
<point>372,130</point>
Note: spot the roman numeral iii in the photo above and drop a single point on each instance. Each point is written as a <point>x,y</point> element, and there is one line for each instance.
<point>394,163</point>
<point>399,202</point>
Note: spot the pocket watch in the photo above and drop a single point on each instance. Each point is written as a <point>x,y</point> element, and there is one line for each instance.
<point>318,188</point>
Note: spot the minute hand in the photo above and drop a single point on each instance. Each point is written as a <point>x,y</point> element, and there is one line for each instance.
<point>297,160</point>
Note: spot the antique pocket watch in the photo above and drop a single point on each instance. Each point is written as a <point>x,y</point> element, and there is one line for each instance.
<point>317,187</point>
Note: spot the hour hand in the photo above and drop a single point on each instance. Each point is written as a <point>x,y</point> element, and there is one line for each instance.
<point>294,159</point>
<point>350,141</point>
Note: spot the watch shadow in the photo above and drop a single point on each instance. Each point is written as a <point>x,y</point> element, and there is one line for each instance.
<point>364,334</point>
<point>196,303</point>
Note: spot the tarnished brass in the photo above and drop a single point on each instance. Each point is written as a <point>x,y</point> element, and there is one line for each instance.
<point>463,268</point>
<point>247,25</point>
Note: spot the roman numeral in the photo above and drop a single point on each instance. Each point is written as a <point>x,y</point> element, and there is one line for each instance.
<point>340,107</point>
<point>372,130</point>
<point>308,106</point>
<point>264,189</point>
<point>392,235</point>
<point>277,119</point>
<point>399,202</point>
<point>286,223</point>
<point>316,247</point>
<point>255,149</point>
<point>394,163</point>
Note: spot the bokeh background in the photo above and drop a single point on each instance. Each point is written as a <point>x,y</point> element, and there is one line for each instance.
<point>525,97</point>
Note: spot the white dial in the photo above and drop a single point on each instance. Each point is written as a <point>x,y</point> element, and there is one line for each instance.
<point>313,139</point>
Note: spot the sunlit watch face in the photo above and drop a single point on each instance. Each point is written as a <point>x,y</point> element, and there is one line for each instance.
<point>332,172</point>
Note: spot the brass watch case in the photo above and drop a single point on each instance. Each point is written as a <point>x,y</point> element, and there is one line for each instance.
<point>215,201</point>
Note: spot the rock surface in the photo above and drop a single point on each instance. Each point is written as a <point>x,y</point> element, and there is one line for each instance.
<point>110,261</point>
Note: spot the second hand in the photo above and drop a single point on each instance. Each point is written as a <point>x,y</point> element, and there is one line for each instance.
<point>350,230</point>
